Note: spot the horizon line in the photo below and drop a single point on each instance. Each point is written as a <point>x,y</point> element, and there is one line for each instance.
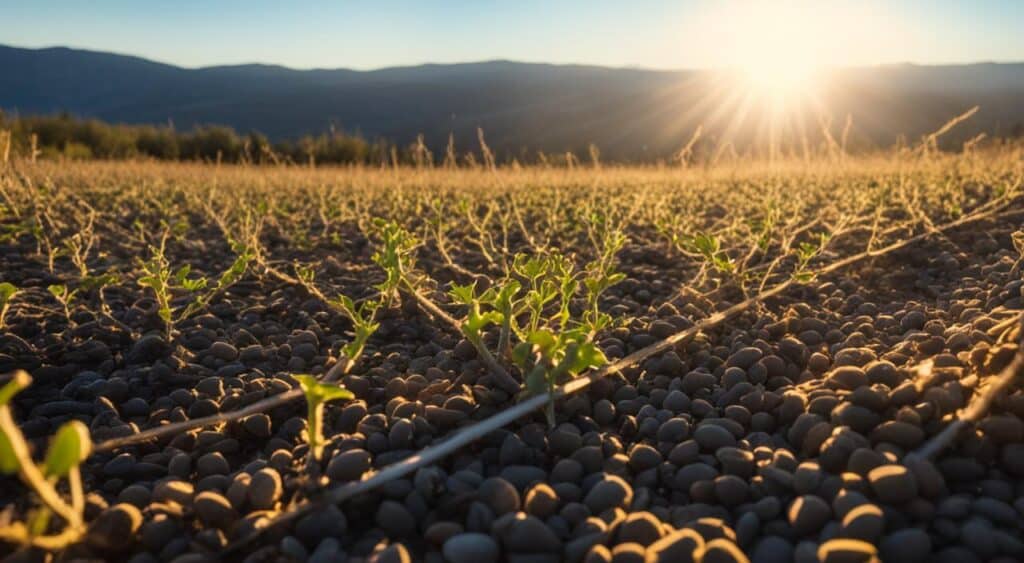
<point>639,68</point>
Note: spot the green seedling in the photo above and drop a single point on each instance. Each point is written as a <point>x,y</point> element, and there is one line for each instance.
<point>64,296</point>
<point>600,275</point>
<point>364,324</point>
<point>165,284</point>
<point>504,300</point>
<point>805,252</point>
<point>395,256</point>
<point>7,292</point>
<point>476,320</point>
<point>547,360</point>
<point>710,248</point>
<point>317,395</point>
<point>70,446</point>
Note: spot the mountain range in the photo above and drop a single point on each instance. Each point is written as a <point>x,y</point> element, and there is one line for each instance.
<point>522,108</point>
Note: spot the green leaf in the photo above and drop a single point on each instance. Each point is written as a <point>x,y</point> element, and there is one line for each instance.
<point>322,392</point>
<point>57,290</point>
<point>9,436</point>
<point>94,282</point>
<point>39,521</point>
<point>522,353</point>
<point>19,381</point>
<point>803,277</point>
<point>544,340</point>
<point>465,294</point>
<point>182,273</point>
<point>69,447</point>
<point>475,322</point>
<point>7,291</point>
<point>318,393</point>
<point>586,356</point>
<point>194,285</point>
<point>536,382</point>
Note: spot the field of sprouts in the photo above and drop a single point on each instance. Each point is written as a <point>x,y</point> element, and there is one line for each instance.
<point>791,361</point>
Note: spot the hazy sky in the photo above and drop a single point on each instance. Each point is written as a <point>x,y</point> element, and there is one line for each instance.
<point>646,33</point>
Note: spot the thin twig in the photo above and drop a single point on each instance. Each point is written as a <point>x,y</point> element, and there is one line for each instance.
<point>340,368</point>
<point>979,406</point>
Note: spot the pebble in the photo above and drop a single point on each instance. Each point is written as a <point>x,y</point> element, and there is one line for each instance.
<point>212,464</point>
<point>678,547</point>
<point>722,550</point>
<point>808,514</point>
<point>541,501</point>
<point>265,489</point>
<point>394,553</point>
<point>313,528</point>
<point>258,425</point>
<point>771,549</point>
<point>349,465</point>
<point>845,550</point>
<point>712,437</point>
<point>115,528</point>
<point>865,522</point>
<point>628,553</point>
<point>611,492</point>
<point>523,533</point>
<point>903,434</point>
<point>892,484</point>
<point>395,519</point>
<point>471,548</point>
<point>499,495</point>
<point>641,528</point>
<point>214,510</point>
<point>847,377</point>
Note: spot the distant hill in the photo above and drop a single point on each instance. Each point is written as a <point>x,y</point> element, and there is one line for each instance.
<point>522,108</point>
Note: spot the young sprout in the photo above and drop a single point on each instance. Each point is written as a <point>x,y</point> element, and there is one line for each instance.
<point>476,320</point>
<point>503,299</point>
<point>234,272</point>
<point>548,359</point>
<point>395,256</point>
<point>805,252</point>
<point>317,395</point>
<point>159,278</point>
<point>710,248</point>
<point>599,275</point>
<point>7,292</point>
<point>70,446</point>
<point>363,317</point>
<point>541,290</point>
<point>61,293</point>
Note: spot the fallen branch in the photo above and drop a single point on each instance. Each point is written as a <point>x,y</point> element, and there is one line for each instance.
<point>337,371</point>
<point>980,405</point>
<point>501,375</point>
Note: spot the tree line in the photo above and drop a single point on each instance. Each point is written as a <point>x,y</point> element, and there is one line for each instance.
<point>66,136</point>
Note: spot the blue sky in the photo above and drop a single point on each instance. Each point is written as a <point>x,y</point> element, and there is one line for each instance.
<point>644,33</point>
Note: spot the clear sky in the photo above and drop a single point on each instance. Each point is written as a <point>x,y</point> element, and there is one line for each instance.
<point>645,33</point>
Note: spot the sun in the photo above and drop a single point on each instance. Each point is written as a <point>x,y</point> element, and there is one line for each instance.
<point>772,47</point>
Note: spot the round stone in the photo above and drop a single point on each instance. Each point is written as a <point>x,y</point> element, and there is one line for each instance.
<point>893,484</point>
<point>471,548</point>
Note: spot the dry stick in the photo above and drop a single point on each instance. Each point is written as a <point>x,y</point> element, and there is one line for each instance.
<point>467,435</point>
<point>979,406</point>
<point>502,377</point>
<point>340,368</point>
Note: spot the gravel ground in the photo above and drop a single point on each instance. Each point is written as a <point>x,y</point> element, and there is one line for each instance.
<point>781,435</point>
